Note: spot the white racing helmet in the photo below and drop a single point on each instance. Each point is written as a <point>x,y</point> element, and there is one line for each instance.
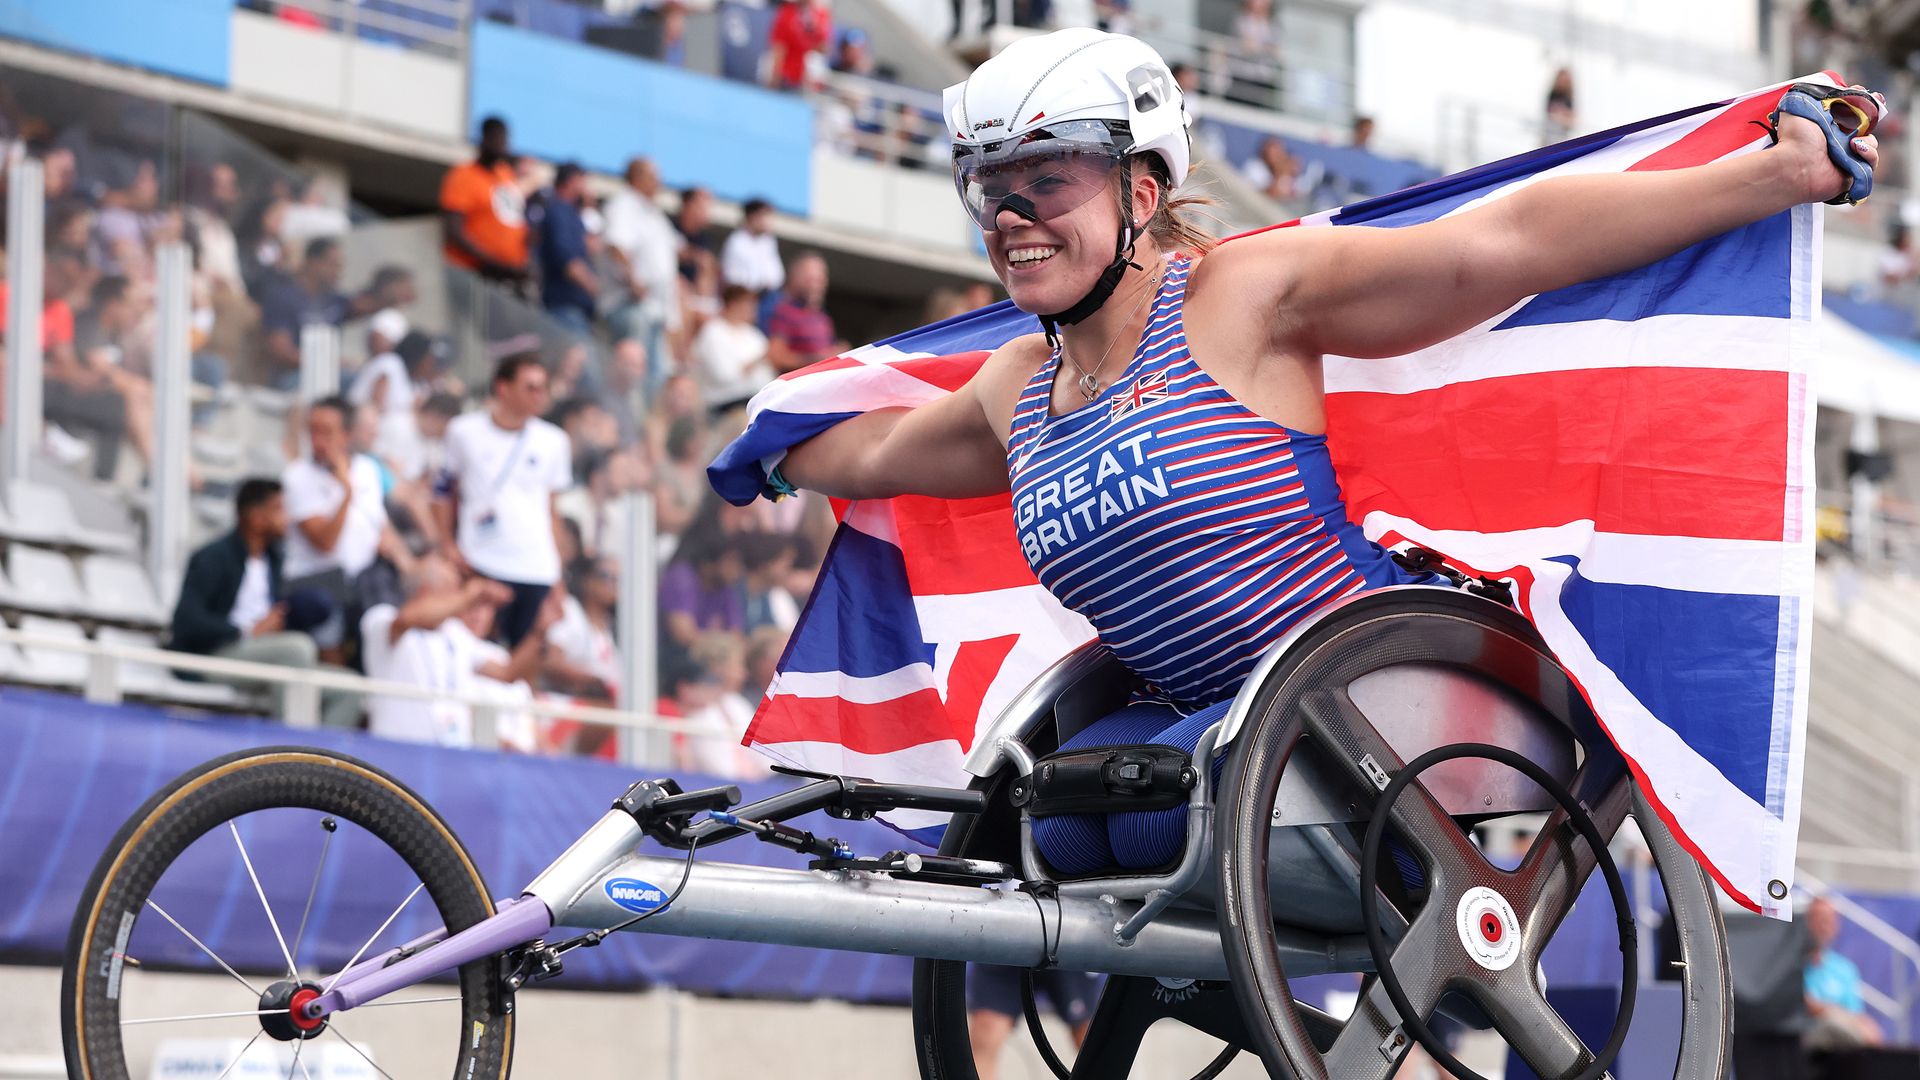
<point>1040,128</point>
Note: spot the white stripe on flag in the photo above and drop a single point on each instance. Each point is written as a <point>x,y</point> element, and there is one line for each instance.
<point>1667,342</point>
<point>1684,563</point>
<point>859,689</point>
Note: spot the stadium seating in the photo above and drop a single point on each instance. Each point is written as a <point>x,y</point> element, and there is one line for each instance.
<point>118,590</point>
<point>48,666</point>
<point>41,514</point>
<point>42,581</point>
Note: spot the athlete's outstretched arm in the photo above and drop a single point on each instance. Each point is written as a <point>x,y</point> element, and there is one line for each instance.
<point>946,447</point>
<point>1371,292</point>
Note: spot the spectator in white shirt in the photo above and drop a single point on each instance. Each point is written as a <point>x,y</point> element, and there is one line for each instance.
<point>334,499</point>
<point>582,658</point>
<point>387,385</point>
<point>505,468</point>
<point>643,242</point>
<point>437,641</point>
<point>730,353</point>
<point>751,255</point>
<point>711,745</point>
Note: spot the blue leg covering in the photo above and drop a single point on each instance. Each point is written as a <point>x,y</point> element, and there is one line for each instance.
<point>1131,840</point>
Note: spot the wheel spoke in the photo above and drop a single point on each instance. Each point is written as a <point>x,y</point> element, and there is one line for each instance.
<point>376,936</point>
<point>262,894</point>
<point>1531,1026</point>
<point>1129,1006</point>
<point>1350,739</point>
<point>239,1057</point>
<point>1557,865</point>
<point>335,1028</point>
<point>299,1045</point>
<point>326,844</point>
<point>1363,1050</point>
<point>215,957</point>
<point>201,1016</point>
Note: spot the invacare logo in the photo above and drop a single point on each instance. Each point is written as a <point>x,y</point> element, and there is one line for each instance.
<point>635,895</point>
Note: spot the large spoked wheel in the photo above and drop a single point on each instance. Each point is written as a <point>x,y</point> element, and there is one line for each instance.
<point>1462,928</point>
<point>265,873</point>
<point>943,1043</point>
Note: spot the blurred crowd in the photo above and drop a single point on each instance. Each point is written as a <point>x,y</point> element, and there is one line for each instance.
<point>461,534</point>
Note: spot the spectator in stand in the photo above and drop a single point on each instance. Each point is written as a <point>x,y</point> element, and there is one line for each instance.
<point>797,43</point>
<point>1256,55</point>
<point>505,468</point>
<point>764,647</point>
<point>437,641</point>
<point>264,257</point>
<point>1896,263</point>
<point>1833,983</point>
<point>768,560</point>
<point>700,591</point>
<point>233,603</point>
<point>730,353</point>
<point>594,509</point>
<point>1362,133</point>
<point>1560,118</point>
<point>625,393</point>
<point>103,342</point>
<point>1274,172</point>
<point>567,282</point>
<point>681,487</point>
<point>751,256</point>
<point>435,415</point>
<point>129,218</point>
<point>712,745</point>
<point>642,240</point>
<point>311,295</point>
<point>75,396</point>
<point>213,199</point>
<point>388,385</point>
<point>589,427</point>
<point>800,332</point>
<point>336,502</point>
<point>699,261</point>
<point>853,54</point>
<point>582,659</point>
<point>316,209</point>
<point>483,210</point>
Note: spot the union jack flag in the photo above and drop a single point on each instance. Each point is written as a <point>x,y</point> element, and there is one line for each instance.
<point>1149,387</point>
<point>1634,454</point>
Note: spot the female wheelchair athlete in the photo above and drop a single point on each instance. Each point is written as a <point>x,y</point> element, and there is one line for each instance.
<point>1418,711</point>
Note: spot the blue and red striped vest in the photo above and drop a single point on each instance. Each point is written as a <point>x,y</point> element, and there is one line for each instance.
<point>1191,531</point>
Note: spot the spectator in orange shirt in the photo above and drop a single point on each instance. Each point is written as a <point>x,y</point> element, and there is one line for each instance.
<point>483,211</point>
<point>800,32</point>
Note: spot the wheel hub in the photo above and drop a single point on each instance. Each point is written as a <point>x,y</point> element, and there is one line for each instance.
<point>283,1011</point>
<point>1489,928</point>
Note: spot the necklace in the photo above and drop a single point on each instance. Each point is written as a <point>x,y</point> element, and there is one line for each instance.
<point>1089,381</point>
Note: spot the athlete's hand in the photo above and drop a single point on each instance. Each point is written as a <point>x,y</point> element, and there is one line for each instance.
<point>1815,175</point>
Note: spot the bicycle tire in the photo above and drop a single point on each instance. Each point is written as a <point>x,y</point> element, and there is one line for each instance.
<point>262,779</point>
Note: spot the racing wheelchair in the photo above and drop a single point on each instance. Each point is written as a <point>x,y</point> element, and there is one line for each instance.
<point>1327,829</point>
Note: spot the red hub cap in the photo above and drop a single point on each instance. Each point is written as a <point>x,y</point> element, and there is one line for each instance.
<point>297,1010</point>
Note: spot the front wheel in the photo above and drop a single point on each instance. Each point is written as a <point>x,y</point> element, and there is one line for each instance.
<point>219,873</point>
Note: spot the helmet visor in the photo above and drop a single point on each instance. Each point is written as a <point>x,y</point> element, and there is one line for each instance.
<point>1043,175</point>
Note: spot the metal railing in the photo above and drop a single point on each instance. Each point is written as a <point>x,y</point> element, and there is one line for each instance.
<point>435,26</point>
<point>105,683</point>
<point>1896,1007</point>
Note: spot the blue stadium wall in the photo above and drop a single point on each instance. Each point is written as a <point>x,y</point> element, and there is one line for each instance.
<point>188,38</point>
<point>568,101</point>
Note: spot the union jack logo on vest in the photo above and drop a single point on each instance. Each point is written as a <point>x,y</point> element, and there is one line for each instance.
<point>1150,387</point>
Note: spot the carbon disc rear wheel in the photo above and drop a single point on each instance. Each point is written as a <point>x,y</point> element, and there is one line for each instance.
<point>192,937</point>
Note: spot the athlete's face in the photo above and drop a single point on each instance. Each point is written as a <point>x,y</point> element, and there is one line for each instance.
<point>1048,265</point>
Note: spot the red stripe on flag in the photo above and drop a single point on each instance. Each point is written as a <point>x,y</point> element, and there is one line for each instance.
<point>1650,451</point>
<point>878,728</point>
<point>1714,139</point>
<point>960,545</point>
<point>884,727</point>
<point>949,373</point>
<point>834,363</point>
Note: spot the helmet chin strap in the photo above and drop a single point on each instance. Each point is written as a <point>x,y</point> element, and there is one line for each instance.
<point>1102,289</point>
